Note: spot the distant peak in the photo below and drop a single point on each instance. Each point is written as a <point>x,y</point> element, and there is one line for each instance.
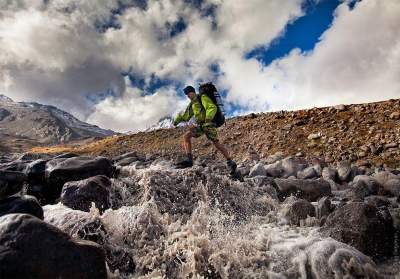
<point>4,98</point>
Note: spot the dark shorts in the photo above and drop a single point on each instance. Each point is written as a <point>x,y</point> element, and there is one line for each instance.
<point>210,132</point>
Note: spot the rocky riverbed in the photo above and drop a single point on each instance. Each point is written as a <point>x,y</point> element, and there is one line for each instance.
<point>136,216</point>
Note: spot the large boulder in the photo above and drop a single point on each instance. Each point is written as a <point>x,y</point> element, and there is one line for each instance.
<point>24,204</point>
<point>258,170</point>
<point>389,181</point>
<point>17,165</point>
<point>362,226</point>
<point>80,194</point>
<point>307,173</point>
<point>35,171</point>
<point>60,171</point>
<point>29,246</point>
<point>307,189</point>
<point>329,173</point>
<point>291,166</point>
<point>298,210</point>
<point>11,182</point>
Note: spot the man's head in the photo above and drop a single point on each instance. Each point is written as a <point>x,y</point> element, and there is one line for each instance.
<point>190,92</point>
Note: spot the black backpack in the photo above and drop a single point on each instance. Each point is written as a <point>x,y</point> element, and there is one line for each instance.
<point>210,90</point>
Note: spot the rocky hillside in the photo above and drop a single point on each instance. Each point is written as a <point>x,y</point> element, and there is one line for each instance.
<point>364,134</point>
<point>25,124</point>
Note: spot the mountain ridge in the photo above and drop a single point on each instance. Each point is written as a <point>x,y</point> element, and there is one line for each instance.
<point>25,124</point>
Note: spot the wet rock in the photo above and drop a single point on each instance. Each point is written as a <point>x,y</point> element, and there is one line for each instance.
<point>275,169</point>
<point>33,156</point>
<point>258,169</point>
<point>363,227</point>
<point>361,189</point>
<point>66,156</point>
<point>291,166</point>
<point>24,204</point>
<point>298,210</point>
<point>17,165</point>
<point>310,190</point>
<point>324,207</point>
<point>35,171</point>
<point>30,246</point>
<point>274,158</point>
<point>307,173</point>
<point>60,171</point>
<point>11,182</point>
<point>80,194</point>
<point>377,201</point>
<point>330,173</point>
<point>389,181</point>
<point>344,171</point>
<point>76,223</point>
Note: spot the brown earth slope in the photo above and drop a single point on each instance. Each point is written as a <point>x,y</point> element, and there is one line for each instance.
<point>362,133</point>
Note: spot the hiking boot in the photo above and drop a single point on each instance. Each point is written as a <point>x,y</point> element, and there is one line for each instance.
<point>231,166</point>
<point>184,164</point>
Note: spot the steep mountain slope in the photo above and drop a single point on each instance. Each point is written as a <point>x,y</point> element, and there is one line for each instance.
<point>360,133</point>
<point>33,123</point>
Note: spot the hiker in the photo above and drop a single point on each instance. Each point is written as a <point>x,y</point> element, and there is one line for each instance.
<point>204,111</point>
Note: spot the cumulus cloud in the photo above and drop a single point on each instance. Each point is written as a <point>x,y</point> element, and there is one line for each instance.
<point>54,52</point>
<point>356,61</point>
<point>133,111</point>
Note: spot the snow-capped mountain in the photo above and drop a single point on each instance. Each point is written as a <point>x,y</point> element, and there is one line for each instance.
<point>164,123</point>
<point>43,123</point>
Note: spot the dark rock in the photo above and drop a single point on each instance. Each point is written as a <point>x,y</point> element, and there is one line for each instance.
<point>59,171</point>
<point>35,171</point>
<point>389,181</point>
<point>275,169</point>
<point>362,187</point>
<point>307,173</point>
<point>330,173</point>
<point>363,227</point>
<point>307,189</point>
<point>4,113</point>
<point>344,171</point>
<point>324,207</point>
<point>29,246</point>
<point>298,210</point>
<point>66,156</point>
<point>80,194</point>
<point>377,201</point>
<point>257,170</point>
<point>126,161</point>
<point>18,165</point>
<point>291,166</point>
<point>33,156</point>
<point>24,204</point>
<point>11,182</point>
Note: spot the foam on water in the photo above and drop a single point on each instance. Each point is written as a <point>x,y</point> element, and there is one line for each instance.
<point>167,223</point>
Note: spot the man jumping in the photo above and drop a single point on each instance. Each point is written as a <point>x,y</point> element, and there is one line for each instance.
<point>204,110</point>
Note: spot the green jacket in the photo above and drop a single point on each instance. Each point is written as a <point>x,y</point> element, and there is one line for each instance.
<point>202,113</point>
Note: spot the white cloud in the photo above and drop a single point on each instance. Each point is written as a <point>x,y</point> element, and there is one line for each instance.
<point>51,53</point>
<point>135,111</point>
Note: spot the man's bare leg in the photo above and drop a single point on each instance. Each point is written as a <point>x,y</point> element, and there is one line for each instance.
<point>187,146</point>
<point>222,149</point>
<point>187,142</point>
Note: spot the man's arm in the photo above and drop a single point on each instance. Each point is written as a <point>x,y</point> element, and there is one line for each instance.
<point>183,117</point>
<point>210,108</point>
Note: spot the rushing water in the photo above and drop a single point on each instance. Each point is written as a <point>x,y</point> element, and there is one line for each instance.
<point>167,223</point>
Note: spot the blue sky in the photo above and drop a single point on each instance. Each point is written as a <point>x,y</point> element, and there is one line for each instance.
<point>303,33</point>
